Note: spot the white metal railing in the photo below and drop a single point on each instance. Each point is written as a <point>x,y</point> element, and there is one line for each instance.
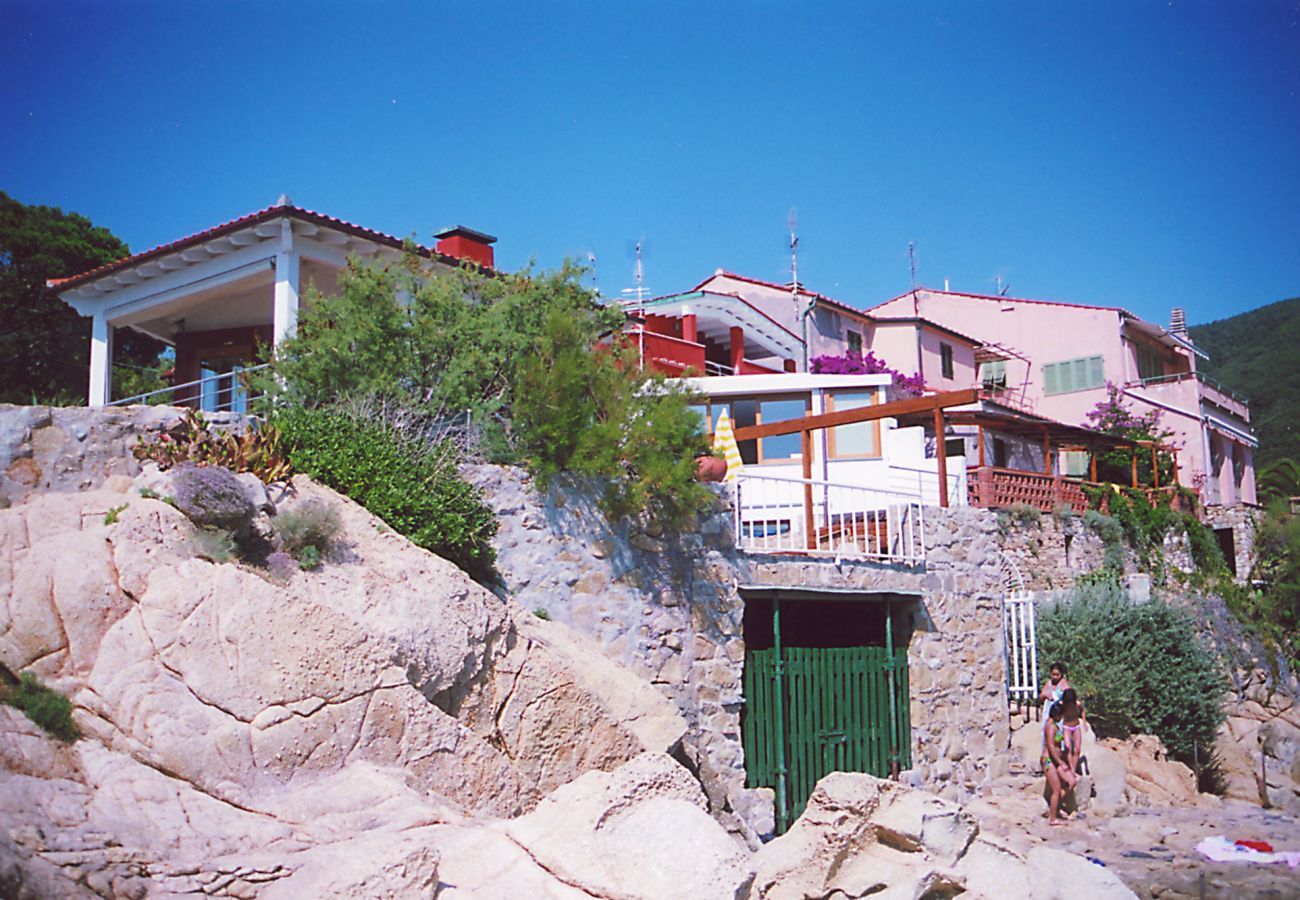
<point>773,514</point>
<point>1020,627</point>
<point>226,391</point>
<point>923,484</point>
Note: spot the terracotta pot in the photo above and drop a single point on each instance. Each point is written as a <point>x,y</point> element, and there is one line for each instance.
<point>710,468</point>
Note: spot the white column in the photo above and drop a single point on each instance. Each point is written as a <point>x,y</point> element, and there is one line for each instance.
<point>101,361</point>
<point>286,287</point>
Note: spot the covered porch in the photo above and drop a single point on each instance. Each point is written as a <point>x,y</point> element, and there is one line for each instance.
<point>706,333</point>
<point>1017,458</point>
<point>225,297</point>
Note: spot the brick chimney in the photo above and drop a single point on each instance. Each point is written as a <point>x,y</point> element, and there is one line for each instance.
<point>466,243</point>
<point>1178,322</point>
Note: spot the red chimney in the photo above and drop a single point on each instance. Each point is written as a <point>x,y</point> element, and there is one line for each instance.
<point>466,243</point>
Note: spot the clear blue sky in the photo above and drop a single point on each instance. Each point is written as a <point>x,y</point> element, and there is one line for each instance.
<point>1144,155</point>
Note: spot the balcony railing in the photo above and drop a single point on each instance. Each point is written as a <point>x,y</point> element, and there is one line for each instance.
<point>222,392</point>
<point>775,514</point>
<point>1216,392</point>
<point>993,488</point>
<point>1000,488</point>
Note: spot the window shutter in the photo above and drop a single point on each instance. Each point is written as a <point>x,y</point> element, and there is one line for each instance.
<point>1051,383</point>
<point>1096,373</point>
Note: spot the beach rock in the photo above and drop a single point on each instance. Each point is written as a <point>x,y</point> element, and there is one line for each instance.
<point>239,733</point>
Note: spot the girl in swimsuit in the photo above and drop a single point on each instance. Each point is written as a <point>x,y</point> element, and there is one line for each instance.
<point>1056,685</point>
<point>1053,761</point>
<point>1071,731</point>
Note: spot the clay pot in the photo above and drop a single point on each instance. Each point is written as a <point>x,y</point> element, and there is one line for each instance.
<point>710,468</point>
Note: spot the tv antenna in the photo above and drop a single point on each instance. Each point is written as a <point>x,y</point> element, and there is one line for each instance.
<point>792,221</point>
<point>639,292</point>
<point>911,263</point>
<point>1002,290</point>
<point>595,282</point>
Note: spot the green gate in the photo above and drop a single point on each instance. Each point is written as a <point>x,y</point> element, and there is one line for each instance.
<point>822,710</point>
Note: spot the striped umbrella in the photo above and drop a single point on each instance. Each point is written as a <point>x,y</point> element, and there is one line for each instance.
<point>724,441</point>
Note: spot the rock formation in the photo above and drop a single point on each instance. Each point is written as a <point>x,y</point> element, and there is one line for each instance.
<point>229,721</point>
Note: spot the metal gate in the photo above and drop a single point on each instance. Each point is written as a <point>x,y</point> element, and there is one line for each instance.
<point>812,711</point>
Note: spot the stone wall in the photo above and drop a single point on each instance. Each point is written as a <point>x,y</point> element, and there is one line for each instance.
<point>74,448</point>
<point>1241,519</point>
<point>671,608</point>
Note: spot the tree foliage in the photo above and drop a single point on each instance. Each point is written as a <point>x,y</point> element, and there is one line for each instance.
<point>1270,606</point>
<point>532,360</point>
<point>44,343</point>
<point>1140,668</point>
<point>1251,353</point>
<point>1112,416</point>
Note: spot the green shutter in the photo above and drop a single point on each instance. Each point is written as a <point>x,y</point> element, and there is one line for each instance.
<point>1096,372</point>
<point>1051,381</point>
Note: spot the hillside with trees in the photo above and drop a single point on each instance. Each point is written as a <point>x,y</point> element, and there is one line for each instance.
<point>1255,353</point>
<point>44,343</point>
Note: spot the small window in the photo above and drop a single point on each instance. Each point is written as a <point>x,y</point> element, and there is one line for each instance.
<point>945,360</point>
<point>993,375</point>
<point>1073,375</point>
<point>859,440</point>
<point>855,341</point>
<point>954,447</point>
<point>781,447</point>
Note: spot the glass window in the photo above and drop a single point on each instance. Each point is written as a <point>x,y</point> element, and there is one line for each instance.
<point>993,374</point>
<point>855,341</point>
<point>945,359</point>
<point>781,447</point>
<point>861,439</point>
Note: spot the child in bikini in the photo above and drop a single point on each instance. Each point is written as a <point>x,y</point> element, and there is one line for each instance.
<point>1056,685</point>
<point>1071,730</point>
<point>1060,776</point>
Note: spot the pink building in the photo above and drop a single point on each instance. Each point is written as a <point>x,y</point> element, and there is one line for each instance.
<point>1057,358</point>
<point>732,324</point>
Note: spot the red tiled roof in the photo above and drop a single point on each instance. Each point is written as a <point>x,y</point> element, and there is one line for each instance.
<point>262,215</point>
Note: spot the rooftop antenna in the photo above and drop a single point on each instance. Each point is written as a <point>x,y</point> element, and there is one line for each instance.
<point>638,292</point>
<point>911,262</point>
<point>1002,291</point>
<point>595,282</point>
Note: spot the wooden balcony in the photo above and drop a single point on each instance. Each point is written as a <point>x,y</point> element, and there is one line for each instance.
<point>991,488</point>
<point>994,488</point>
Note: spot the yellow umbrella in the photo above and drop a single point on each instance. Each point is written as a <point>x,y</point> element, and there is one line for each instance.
<point>724,441</point>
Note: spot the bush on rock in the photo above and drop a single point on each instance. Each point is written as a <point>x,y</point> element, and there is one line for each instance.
<point>1140,668</point>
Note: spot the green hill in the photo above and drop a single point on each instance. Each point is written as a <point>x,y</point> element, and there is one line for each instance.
<point>1257,353</point>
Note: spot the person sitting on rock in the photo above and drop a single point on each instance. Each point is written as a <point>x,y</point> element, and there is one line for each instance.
<point>1056,685</point>
<point>1059,776</point>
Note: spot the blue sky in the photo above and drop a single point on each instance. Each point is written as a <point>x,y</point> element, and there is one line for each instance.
<point>1144,155</point>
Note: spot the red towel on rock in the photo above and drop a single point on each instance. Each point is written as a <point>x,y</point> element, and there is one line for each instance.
<point>1261,846</point>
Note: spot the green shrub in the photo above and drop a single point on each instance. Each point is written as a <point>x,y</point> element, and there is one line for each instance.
<point>312,524</point>
<point>412,486</point>
<point>308,558</point>
<point>593,414</point>
<point>1140,668</point>
<point>110,517</point>
<point>1025,513</point>
<point>215,544</point>
<point>47,708</point>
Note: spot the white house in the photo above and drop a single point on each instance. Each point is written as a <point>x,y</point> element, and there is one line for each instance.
<point>225,294</point>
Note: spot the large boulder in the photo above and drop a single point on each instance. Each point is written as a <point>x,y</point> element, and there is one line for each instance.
<point>232,724</point>
<point>861,836</point>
